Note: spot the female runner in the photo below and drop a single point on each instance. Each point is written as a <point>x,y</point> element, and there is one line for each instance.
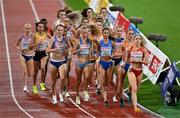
<point>138,57</point>
<point>26,54</point>
<point>58,47</point>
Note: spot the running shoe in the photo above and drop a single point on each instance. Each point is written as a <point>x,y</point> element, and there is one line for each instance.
<point>121,102</point>
<point>86,96</point>
<point>63,92</point>
<point>42,86</point>
<point>78,100</point>
<point>67,94</point>
<point>114,99</point>
<point>137,110</point>
<point>129,97</point>
<point>106,104</point>
<point>64,88</point>
<point>54,99</point>
<point>98,92</point>
<point>61,99</point>
<point>25,89</point>
<point>35,90</point>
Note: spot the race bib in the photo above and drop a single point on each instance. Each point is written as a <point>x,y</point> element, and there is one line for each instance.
<point>136,56</point>
<point>43,45</point>
<point>85,49</point>
<point>105,51</point>
<point>62,47</point>
<point>25,45</point>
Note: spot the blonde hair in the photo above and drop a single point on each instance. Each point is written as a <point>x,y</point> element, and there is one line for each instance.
<point>27,25</point>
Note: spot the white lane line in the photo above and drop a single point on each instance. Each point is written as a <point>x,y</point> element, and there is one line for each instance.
<point>37,18</point>
<point>4,60</point>
<point>142,107</point>
<point>62,3</point>
<point>34,10</point>
<point>81,109</point>
<point>9,63</point>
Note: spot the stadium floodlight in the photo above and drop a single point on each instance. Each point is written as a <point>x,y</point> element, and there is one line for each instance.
<point>157,37</point>
<point>136,20</point>
<point>117,8</point>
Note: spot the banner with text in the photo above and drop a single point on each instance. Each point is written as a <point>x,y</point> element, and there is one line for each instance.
<point>170,78</point>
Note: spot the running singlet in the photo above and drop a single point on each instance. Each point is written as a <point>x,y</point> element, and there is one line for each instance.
<point>136,55</point>
<point>106,49</point>
<point>25,40</point>
<point>43,38</point>
<point>61,45</point>
<point>118,42</point>
<point>126,49</point>
<point>85,48</point>
<point>69,32</point>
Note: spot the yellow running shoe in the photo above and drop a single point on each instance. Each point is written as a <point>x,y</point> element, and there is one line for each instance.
<point>35,90</point>
<point>137,110</point>
<point>42,86</point>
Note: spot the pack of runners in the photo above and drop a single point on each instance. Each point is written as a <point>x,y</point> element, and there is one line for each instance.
<point>102,56</point>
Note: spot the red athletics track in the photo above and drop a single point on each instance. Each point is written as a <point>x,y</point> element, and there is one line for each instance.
<point>18,12</point>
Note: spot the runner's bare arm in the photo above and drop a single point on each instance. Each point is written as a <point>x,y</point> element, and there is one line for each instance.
<point>145,59</point>
<point>33,44</point>
<point>17,44</point>
<point>49,48</point>
<point>118,52</point>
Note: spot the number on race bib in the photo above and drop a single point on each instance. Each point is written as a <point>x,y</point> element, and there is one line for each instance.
<point>25,45</point>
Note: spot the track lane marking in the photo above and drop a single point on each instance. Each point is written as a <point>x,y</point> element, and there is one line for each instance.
<point>37,18</point>
<point>34,10</point>
<point>81,108</point>
<point>9,61</point>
